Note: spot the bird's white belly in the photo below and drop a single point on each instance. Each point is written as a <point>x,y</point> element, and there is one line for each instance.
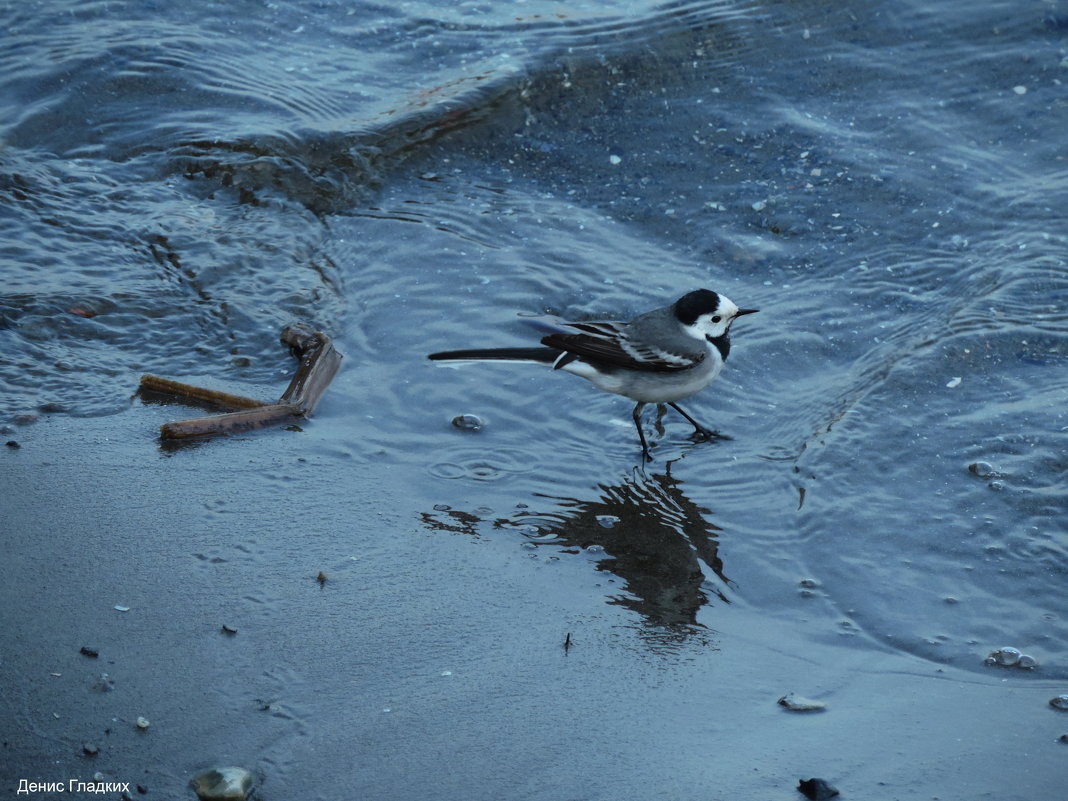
<point>650,387</point>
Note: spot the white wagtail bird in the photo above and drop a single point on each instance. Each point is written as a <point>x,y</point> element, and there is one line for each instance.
<point>659,357</point>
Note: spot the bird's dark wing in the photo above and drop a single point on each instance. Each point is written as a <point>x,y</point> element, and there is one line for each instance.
<point>604,345</point>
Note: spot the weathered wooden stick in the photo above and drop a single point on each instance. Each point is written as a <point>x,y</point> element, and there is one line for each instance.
<point>231,422</point>
<point>153,383</point>
<point>319,363</point>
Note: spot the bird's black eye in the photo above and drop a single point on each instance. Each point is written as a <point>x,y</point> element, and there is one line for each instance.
<point>716,318</point>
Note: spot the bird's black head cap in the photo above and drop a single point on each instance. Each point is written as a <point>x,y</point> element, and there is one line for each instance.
<point>693,304</point>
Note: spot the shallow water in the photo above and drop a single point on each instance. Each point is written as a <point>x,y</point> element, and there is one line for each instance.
<point>885,182</point>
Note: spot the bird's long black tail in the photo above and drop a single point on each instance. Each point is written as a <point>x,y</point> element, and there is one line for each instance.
<point>542,355</point>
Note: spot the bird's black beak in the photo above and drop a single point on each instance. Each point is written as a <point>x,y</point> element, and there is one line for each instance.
<point>740,312</point>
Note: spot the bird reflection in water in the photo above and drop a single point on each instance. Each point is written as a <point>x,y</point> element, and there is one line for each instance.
<point>653,538</point>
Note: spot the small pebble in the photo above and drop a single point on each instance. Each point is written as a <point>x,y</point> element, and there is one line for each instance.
<point>614,159</point>
<point>92,653</point>
<point>228,629</point>
<point>1059,702</point>
<point>1020,90</point>
<point>1011,657</point>
<point>1004,657</point>
<point>467,422</point>
<point>982,469</point>
<point>816,789</point>
<point>142,723</point>
<point>222,784</point>
<point>90,749</point>
<point>798,703</point>
<point>12,444</point>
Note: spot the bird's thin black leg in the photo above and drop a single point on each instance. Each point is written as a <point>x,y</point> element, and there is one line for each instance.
<point>700,429</point>
<point>658,421</point>
<point>637,415</point>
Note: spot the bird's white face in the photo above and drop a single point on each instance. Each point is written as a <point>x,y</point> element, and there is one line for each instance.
<point>716,323</point>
